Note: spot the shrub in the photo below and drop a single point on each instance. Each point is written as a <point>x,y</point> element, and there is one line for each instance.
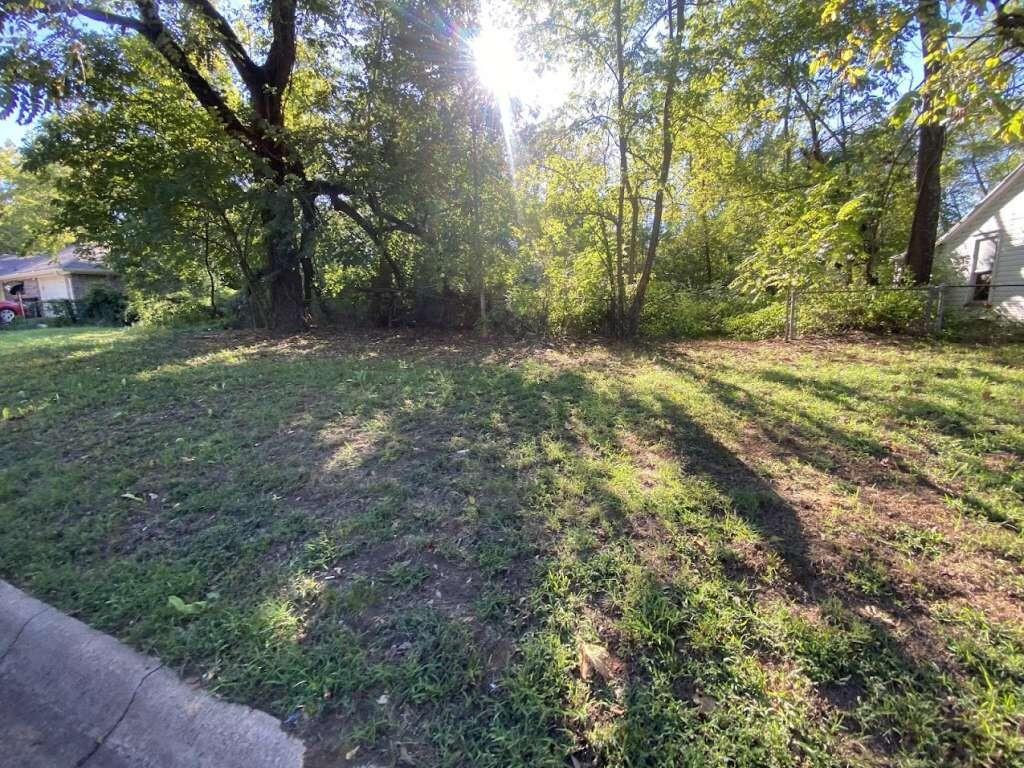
<point>767,322</point>
<point>868,309</point>
<point>104,304</point>
<point>671,313</point>
<point>578,301</point>
<point>986,327</point>
<point>180,308</point>
<point>62,312</point>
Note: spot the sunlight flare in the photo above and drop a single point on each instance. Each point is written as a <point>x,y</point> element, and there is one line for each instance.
<point>500,70</point>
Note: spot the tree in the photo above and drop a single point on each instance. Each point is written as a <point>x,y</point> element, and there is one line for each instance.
<point>49,45</point>
<point>641,46</point>
<point>27,207</point>
<point>930,145</point>
<point>971,54</point>
<point>155,184</point>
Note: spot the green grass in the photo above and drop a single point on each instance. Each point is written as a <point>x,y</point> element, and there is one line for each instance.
<point>804,554</point>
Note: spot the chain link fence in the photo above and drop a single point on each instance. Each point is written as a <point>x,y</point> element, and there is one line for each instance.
<point>929,310</point>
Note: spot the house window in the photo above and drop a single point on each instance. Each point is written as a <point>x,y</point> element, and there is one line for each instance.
<point>985,250</point>
<point>982,285</point>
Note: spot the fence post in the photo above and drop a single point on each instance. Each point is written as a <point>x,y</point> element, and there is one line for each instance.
<point>940,309</point>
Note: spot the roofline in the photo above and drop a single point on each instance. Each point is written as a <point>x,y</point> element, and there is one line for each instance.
<point>55,271</point>
<point>995,192</point>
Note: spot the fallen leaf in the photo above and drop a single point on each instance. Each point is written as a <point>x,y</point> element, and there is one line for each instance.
<point>706,704</point>
<point>185,609</point>
<point>597,658</point>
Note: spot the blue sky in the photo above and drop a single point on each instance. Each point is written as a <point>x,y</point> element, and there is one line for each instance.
<point>10,131</point>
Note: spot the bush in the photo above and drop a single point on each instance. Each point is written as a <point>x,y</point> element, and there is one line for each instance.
<point>181,308</point>
<point>62,312</point>
<point>764,323</point>
<point>988,326</point>
<point>866,309</point>
<point>577,300</point>
<point>106,305</point>
<point>670,313</point>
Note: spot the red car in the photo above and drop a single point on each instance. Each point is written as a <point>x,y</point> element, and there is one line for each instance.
<point>10,310</point>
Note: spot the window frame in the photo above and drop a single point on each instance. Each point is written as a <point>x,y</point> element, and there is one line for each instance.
<point>997,237</point>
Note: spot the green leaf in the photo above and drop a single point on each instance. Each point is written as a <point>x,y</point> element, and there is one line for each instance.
<point>185,609</point>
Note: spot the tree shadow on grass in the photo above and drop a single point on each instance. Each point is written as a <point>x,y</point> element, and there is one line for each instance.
<point>819,441</point>
<point>607,566</point>
<point>948,417</point>
<point>410,550</point>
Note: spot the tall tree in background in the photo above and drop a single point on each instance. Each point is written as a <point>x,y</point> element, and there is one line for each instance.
<point>972,53</point>
<point>353,156</point>
<point>155,184</point>
<point>641,46</point>
<point>675,20</point>
<point>29,207</point>
<point>931,141</point>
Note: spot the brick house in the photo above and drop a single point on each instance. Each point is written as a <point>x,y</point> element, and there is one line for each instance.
<point>38,282</point>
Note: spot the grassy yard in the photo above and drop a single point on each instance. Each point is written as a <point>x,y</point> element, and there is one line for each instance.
<point>447,552</point>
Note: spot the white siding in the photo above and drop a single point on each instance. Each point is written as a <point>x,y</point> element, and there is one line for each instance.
<point>53,287</point>
<point>1002,215</point>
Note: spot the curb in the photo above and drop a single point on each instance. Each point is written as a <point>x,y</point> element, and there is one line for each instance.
<point>73,697</point>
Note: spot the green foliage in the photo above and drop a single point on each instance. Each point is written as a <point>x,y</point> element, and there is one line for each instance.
<point>176,309</point>
<point>29,207</point>
<point>987,326</point>
<point>156,184</point>
<point>973,63</point>
<point>765,323</point>
<point>865,309</point>
<point>787,140</point>
<point>106,305</point>
<point>64,312</point>
<point>672,313</point>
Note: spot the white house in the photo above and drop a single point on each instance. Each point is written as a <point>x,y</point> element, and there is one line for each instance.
<point>985,251</point>
<point>37,281</point>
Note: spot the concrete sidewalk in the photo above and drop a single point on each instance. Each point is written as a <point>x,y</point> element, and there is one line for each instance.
<point>72,697</point>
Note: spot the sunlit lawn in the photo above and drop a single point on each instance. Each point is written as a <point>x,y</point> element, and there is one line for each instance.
<point>444,551</point>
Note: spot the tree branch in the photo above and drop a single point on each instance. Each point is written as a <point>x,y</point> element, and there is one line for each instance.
<point>105,17</point>
<point>249,71</point>
<point>152,28</point>
<point>338,194</point>
<point>281,56</point>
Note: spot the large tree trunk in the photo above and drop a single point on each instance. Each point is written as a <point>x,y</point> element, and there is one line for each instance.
<point>287,305</point>
<point>924,229</point>
<point>931,142</point>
